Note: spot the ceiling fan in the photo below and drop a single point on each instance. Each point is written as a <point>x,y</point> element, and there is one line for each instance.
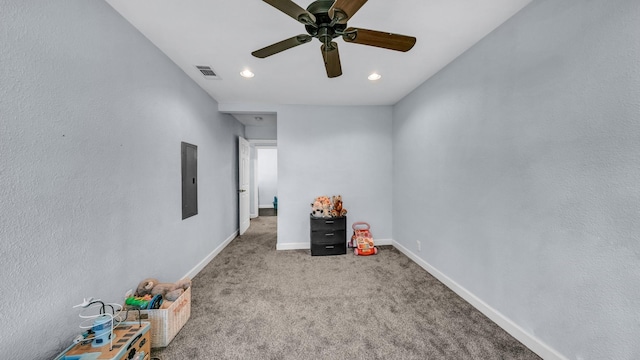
<point>326,20</point>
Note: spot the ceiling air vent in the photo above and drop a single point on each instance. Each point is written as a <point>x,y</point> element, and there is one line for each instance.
<point>207,72</point>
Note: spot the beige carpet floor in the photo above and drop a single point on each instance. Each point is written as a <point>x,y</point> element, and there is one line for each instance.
<point>253,302</point>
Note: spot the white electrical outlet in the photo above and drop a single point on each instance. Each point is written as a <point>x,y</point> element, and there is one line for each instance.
<point>419,245</point>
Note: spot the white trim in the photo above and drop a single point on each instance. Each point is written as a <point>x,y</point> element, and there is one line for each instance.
<point>533,343</point>
<point>263,206</point>
<point>383,242</point>
<point>193,272</point>
<point>264,144</point>
<point>293,246</point>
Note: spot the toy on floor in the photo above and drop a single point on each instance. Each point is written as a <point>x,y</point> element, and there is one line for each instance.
<point>360,228</point>
<point>362,240</point>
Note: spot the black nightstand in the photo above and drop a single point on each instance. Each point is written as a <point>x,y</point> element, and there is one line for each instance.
<point>328,236</point>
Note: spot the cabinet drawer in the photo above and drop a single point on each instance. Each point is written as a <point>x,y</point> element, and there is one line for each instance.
<point>329,224</point>
<point>328,249</point>
<point>328,237</point>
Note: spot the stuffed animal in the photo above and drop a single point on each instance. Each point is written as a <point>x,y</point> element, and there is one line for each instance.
<point>326,210</point>
<point>316,209</point>
<point>169,291</point>
<point>338,210</point>
<point>321,207</point>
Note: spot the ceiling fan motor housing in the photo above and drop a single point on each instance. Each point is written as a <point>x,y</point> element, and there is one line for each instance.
<point>323,29</point>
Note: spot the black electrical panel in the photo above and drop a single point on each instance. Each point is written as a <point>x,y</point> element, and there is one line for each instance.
<point>189,180</point>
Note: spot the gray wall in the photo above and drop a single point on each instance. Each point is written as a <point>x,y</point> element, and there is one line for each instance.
<point>517,166</point>
<point>331,150</point>
<point>261,132</point>
<point>91,120</point>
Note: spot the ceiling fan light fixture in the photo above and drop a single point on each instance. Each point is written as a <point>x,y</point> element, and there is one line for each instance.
<point>246,73</point>
<point>374,76</point>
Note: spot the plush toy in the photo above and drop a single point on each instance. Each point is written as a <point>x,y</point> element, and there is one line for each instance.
<point>316,209</point>
<point>326,210</point>
<point>338,210</point>
<point>321,207</point>
<point>169,291</point>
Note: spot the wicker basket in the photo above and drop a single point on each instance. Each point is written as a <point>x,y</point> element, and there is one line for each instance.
<point>167,322</point>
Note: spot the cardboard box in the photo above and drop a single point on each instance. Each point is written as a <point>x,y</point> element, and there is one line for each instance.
<point>167,321</point>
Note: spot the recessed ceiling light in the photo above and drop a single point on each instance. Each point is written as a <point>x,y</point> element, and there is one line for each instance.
<point>246,73</point>
<point>374,77</point>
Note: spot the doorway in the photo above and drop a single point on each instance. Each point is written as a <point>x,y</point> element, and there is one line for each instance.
<point>264,187</point>
<point>267,180</point>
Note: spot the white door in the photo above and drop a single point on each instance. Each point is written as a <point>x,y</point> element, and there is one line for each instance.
<point>243,184</point>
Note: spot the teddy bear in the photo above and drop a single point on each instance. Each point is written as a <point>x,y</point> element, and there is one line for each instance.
<point>338,210</point>
<point>169,291</point>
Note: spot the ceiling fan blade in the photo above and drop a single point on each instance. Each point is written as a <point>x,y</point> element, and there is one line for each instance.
<point>282,46</point>
<point>331,59</point>
<point>345,9</point>
<point>292,9</point>
<point>379,38</point>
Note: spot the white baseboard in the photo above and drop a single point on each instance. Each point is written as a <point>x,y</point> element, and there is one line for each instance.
<point>193,272</point>
<point>533,343</point>
<point>293,246</point>
<point>266,206</point>
<point>383,242</point>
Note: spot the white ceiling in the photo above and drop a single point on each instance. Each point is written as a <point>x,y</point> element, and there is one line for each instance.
<point>222,34</point>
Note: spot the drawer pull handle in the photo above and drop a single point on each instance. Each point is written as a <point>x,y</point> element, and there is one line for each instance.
<point>329,247</point>
<point>330,234</point>
<point>329,222</point>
